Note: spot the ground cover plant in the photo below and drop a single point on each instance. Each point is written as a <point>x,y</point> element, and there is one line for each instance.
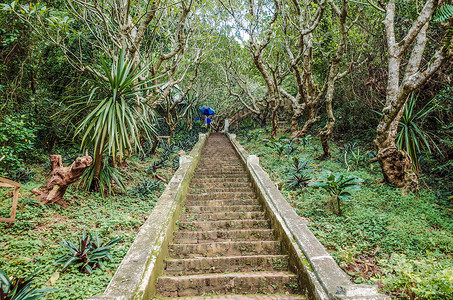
<point>403,242</point>
<point>53,241</point>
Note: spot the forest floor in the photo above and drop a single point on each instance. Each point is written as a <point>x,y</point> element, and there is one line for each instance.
<point>401,242</point>
<point>31,243</point>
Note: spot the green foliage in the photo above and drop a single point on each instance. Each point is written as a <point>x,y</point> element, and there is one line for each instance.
<point>117,118</point>
<point>145,188</point>
<point>19,288</point>
<point>411,137</point>
<point>306,140</point>
<point>17,137</point>
<point>429,278</point>
<point>107,176</point>
<point>443,13</point>
<point>299,173</point>
<point>380,221</point>
<point>354,156</point>
<point>32,242</point>
<point>88,254</point>
<point>339,187</point>
<point>280,146</point>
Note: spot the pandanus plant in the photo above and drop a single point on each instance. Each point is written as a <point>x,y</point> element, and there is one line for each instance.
<point>117,117</point>
<point>411,136</point>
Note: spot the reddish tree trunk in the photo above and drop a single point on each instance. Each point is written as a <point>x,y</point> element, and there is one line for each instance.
<point>60,178</point>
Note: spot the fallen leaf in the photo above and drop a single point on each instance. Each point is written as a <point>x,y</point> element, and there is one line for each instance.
<point>53,278</point>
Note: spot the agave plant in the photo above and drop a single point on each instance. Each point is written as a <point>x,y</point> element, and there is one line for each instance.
<point>19,288</point>
<point>411,137</point>
<point>88,254</point>
<point>117,117</point>
<point>339,187</point>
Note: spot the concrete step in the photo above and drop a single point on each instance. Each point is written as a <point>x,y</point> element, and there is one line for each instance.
<point>225,189</point>
<point>224,249</point>
<point>221,184</point>
<point>219,180</point>
<point>256,215</point>
<point>224,224</point>
<point>230,208</point>
<point>230,177</point>
<point>223,202</point>
<point>229,264</point>
<point>221,166</point>
<point>241,297</point>
<point>193,237</point>
<point>234,283</point>
<point>221,195</point>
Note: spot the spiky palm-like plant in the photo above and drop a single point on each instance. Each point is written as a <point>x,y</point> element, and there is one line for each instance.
<point>411,137</point>
<point>117,116</point>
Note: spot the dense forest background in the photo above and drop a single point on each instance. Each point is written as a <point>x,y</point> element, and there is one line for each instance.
<point>323,66</point>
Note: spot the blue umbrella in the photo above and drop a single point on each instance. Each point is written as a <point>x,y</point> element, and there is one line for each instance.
<point>207,111</point>
<point>208,120</point>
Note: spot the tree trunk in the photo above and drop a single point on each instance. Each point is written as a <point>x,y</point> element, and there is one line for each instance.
<point>312,119</point>
<point>326,132</point>
<point>297,113</point>
<point>396,164</point>
<point>97,167</point>
<point>396,167</point>
<point>274,123</point>
<point>60,178</point>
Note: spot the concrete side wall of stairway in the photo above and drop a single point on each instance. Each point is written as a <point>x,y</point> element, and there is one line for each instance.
<point>309,259</point>
<point>137,274</point>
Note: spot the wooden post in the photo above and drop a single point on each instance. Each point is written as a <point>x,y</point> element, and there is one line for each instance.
<point>11,184</point>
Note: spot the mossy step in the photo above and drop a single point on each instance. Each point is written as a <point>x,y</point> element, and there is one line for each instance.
<point>224,224</point>
<point>256,215</point>
<point>229,264</point>
<point>219,179</point>
<point>240,297</point>
<point>231,208</point>
<point>193,237</point>
<point>226,189</point>
<point>223,202</point>
<point>221,184</point>
<point>221,195</point>
<point>233,283</point>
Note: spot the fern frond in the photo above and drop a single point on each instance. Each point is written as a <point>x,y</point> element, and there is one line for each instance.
<point>444,13</point>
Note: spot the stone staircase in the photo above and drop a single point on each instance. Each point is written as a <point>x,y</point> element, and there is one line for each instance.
<point>224,248</point>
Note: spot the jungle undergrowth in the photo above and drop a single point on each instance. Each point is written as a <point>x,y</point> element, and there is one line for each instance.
<point>32,242</point>
<point>383,234</point>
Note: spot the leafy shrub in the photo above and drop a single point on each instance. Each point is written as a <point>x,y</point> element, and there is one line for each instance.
<point>88,254</point>
<point>305,141</point>
<point>107,176</point>
<point>338,186</point>
<point>146,188</point>
<point>280,146</point>
<point>429,278</point>
<point>354,156</point>
<point>16,143</point>
<point>298,173</point>
<point>19,288</point>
